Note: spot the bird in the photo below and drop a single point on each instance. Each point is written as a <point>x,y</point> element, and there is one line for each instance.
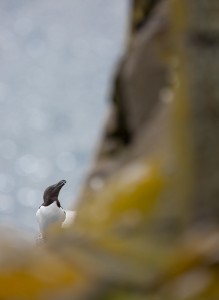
<point>50,212</point>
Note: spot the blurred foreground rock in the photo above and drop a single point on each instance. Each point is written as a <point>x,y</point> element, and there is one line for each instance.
<point>147,221</point>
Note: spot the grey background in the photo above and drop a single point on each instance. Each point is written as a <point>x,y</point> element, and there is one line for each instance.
<point>56,61</point>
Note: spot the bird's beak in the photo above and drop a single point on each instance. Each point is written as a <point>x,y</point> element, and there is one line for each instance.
<point>61,183</point>
<point>57,187</point>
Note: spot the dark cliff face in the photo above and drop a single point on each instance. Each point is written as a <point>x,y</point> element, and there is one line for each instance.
<point>164,114</point>
<point>163,108</point>
<point>144,84</point>
<point>137,85</point>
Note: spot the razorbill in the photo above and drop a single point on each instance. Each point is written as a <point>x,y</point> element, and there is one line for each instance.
<point>51,211</point>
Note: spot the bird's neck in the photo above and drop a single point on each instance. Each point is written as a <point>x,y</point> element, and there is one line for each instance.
<point>51,200</point>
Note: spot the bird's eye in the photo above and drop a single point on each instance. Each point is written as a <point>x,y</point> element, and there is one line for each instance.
<point>49,190</point>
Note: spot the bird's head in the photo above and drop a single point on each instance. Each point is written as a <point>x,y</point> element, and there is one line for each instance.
<point>52,192</point>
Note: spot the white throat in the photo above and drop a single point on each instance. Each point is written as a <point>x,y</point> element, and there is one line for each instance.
<point>49,215</point>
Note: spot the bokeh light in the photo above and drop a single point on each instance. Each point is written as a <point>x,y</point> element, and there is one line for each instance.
<point>57,59</point>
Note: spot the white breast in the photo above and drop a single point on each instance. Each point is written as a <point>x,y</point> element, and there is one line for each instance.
<point>49,215</point>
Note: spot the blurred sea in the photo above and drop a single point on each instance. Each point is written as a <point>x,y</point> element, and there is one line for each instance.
<point>56,61</point>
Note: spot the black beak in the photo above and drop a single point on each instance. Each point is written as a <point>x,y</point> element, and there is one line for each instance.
<point>57,187</point>
<point>61,183</point>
